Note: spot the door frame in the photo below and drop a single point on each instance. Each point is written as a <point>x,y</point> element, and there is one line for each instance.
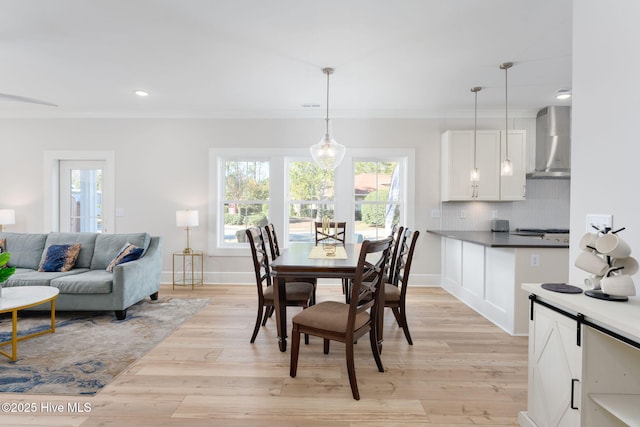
<point>51,216</point>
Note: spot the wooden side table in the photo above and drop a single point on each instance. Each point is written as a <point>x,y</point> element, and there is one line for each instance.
<point>188,269</point>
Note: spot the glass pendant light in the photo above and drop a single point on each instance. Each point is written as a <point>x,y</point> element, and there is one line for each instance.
<point>327,153</point>
<point>507,169</point>
<point>475,173</point>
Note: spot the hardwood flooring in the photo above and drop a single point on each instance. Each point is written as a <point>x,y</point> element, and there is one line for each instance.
<point>461,371</point>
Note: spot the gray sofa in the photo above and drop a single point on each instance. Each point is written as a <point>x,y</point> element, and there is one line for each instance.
<point>88,286</point>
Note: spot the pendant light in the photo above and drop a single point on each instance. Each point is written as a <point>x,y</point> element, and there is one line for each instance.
<point>507,168</point>
<point>327,153</point>
<point>475,173</point>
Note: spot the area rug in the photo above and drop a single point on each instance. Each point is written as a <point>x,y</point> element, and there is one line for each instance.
<point>88,349</point>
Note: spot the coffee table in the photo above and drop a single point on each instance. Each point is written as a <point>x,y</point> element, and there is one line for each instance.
<point>14,299</point>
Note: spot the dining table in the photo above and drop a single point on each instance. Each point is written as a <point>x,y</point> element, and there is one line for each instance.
<point>302,260</point>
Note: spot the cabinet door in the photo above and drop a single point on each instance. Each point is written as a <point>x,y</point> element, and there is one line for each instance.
<point>514,187</point>
<point>457,162</point>
<point>555,366</point>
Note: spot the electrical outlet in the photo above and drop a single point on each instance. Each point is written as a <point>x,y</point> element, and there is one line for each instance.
<point>600,221</point>
<point>463,215</point>
<point>435,213</point>
<point>535,260</point>
<point>494,214</point>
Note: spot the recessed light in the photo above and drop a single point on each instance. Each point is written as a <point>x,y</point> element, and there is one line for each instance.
<point>141,92</point>
<point>563,94</point>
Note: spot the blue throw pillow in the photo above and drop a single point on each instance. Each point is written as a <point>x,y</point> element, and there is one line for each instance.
<point>60,258</point>
<point>128,253</point>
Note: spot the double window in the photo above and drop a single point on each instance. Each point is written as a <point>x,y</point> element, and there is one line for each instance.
<point>371,189</point>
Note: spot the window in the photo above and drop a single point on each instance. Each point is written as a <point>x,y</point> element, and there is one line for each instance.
<point>311,196</point>
<point>246,198</point>
<point>376,194</point>
<point>283,186</point>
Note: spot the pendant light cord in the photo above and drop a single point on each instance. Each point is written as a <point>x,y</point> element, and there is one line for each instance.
<point>506,67</point>
<point>328,72</point>
<point>475,127</point>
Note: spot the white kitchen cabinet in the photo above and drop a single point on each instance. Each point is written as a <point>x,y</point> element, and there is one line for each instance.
<point>584,361</point>
<point>514,187</point>
<point>555,369</point>
<point>457,162</point>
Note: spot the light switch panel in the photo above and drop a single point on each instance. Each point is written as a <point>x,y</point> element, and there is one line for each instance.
<point>600,221</point>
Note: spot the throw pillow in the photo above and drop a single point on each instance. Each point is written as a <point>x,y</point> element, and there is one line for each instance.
<point>60,258</point>
<point>128,253</point>
<point>3,245</point>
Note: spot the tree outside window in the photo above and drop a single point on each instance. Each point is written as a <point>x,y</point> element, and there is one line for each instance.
<point>246,201</point>
<point>311,197</point>
<point>376,198</point>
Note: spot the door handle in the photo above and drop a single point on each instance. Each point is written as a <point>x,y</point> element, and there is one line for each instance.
<point>573,387</point>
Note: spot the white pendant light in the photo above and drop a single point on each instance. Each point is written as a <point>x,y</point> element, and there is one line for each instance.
<point>327,153</point>
<point>507,169</point>
<point>474,176</point>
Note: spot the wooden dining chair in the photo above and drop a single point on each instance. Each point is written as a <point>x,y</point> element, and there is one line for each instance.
<point>270,231</point>
<point>395,293</point>
<point>396,233</point>
<point>338,231</point>
<point>346,322</point>
<point>299,294</point>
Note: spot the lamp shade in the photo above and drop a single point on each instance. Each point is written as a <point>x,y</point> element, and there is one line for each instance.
<point>327,153</point>
<point>186,218</point>
<point>7,216</point>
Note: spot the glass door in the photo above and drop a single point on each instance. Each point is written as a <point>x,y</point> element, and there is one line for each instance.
<point>81,201</point>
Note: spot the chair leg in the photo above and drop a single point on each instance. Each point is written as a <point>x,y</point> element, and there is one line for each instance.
<point>268,311</point>
<point>351,369</point>
<point>295,350</point>
<point>258,322</point>
<point>396,314</point>
<point>375,349</point>
<point>326,346</point>
<point>405,325</point>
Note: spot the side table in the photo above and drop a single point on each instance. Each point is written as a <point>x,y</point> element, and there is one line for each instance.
<point>188,269</point>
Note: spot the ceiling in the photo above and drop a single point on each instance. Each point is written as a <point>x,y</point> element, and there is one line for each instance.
<point>258,58</point>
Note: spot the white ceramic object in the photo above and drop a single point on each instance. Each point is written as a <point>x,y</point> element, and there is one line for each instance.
<point>613,245</point>
<point>589,239</point>
<point>630,265</point>
<point>620,285</point>
<point>592,282</point>
<point>594,264</point>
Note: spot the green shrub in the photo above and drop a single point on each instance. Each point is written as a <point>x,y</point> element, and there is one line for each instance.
<point>234,219</point>
<point>373,215</point>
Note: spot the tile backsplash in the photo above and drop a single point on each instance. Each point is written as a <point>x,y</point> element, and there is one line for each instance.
<point>546,206</point>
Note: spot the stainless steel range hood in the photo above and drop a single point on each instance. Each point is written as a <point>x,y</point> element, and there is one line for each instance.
<point>553,143</point>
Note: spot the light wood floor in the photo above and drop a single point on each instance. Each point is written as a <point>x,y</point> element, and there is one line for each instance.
<point>462,370</point>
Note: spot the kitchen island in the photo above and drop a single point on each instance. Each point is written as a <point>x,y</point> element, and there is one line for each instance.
<point>485,270</point>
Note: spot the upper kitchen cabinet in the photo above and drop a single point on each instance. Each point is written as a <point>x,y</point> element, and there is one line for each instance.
<point>457,161</point>
<point>514,187</point>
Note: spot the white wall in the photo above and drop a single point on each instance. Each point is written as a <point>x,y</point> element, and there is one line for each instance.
<point>162,165</point>
<point>606,147</point>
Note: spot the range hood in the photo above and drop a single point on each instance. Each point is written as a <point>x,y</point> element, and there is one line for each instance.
<point>553,143</point>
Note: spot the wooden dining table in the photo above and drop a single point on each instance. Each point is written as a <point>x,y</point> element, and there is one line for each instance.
<point>295,262</point>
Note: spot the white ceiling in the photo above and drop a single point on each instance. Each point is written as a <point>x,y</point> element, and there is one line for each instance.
<point>263,58</point>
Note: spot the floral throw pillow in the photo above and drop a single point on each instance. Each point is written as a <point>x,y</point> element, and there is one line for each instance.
<point>60,258</point>
<point>128,253</point>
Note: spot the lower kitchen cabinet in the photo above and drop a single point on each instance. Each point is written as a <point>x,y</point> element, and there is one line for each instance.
<point>488,279</point>
<point>584,361</point>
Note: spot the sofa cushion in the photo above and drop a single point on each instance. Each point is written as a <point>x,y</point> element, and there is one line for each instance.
<point>59,257</point>
<point>38,278</point>
<point>88,282</point>
<point>128,253</point>
<point>108,246</point>
<point>25,249</point>
<point>87,240</point>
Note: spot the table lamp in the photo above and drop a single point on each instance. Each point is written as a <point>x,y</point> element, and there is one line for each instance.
<point>187,218</point>
<point>7,217</point>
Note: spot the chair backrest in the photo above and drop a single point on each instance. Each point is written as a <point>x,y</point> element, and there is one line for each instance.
<point>367,283</point>
<point>338,232</point>
<point>396,235</point>
<point>270,231</point>
<point>260,258</point>
<point>405,255</point>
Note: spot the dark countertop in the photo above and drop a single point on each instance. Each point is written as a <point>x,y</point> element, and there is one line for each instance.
<point>499,239</point>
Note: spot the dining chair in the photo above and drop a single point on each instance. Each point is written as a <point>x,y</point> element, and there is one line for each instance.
<point>299,294</point>
<point>346,322</point>
<point>395,292</point>
<point>274,247</point>
<point>338,231</point>
<point>396,233</point>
